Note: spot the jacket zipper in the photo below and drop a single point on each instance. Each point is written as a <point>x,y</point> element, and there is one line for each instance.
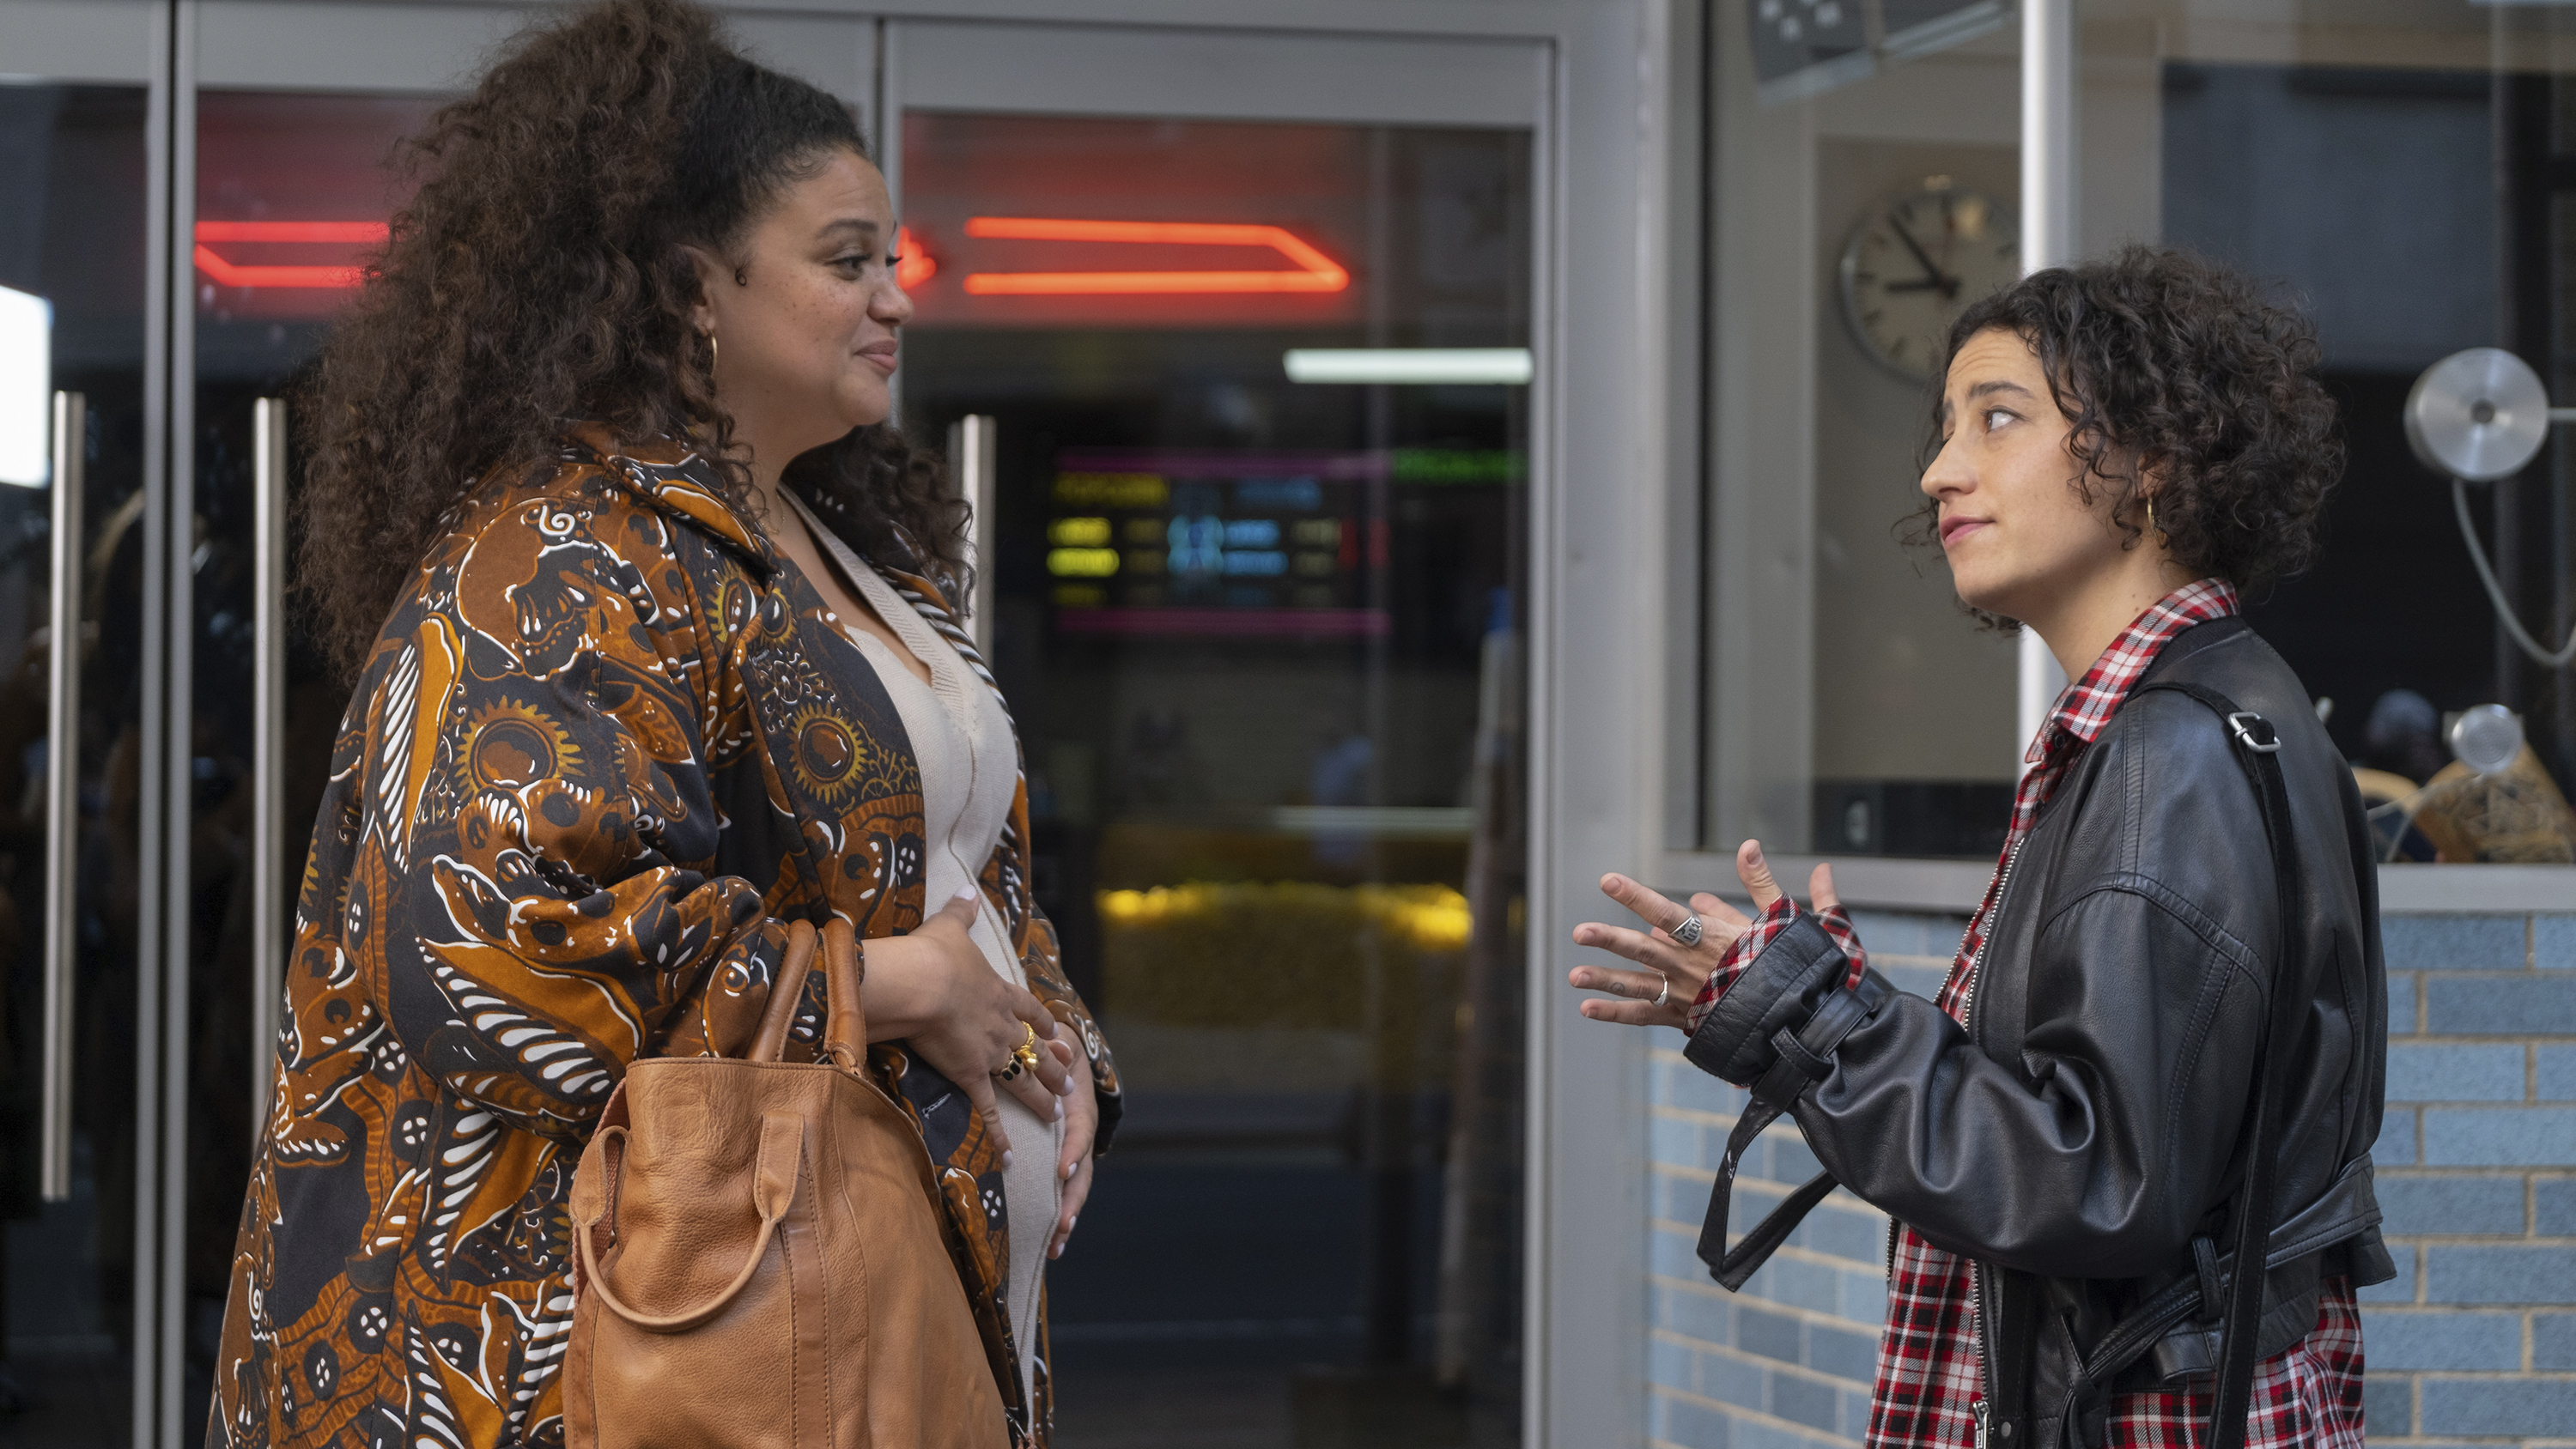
<point>1976,1277</point>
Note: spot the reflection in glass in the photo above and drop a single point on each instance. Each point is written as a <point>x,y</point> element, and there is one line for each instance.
<point>1865,196</point>
<point>72,206</point>
<point>1262,639</point>
<point>2404,178</point>
<point>292,195</point>
<point>2399,168</point>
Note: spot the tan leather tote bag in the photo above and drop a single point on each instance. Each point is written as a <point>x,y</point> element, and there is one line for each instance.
<point>758,1257</point>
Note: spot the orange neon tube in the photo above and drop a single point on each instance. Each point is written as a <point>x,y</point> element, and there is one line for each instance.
<point>917,266</point>
<point>234,274</point>
<point>227,274</point>
<point>291,231</point>
<point>1314,271</point>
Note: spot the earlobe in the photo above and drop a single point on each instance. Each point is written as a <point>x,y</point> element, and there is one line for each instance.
<point>702,313</point>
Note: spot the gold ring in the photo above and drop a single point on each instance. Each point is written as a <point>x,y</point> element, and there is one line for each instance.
<point>1024,1057</point>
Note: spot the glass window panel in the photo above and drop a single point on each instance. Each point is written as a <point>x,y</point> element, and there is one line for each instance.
<point>1261,638</point>
<point>73,239</point>
<point>292,197</point>
<point>1865,193</point>
<point>2402,169</point>
<point>2399,168</point>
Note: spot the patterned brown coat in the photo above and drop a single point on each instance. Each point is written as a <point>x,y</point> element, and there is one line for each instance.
<point>607,746</point>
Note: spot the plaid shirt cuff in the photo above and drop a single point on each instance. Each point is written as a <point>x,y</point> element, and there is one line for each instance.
<point>1835,922</point>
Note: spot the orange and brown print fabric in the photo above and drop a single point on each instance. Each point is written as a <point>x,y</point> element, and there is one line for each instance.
<point>607,747</point>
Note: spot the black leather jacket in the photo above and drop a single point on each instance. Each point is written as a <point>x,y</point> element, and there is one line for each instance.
<point>2083,1129</point>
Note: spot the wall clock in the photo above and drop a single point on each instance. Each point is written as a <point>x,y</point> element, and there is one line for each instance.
<point>1913,264</point>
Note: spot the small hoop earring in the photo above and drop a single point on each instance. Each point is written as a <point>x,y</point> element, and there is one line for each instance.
<point>715,352</point>
<point>2162,539</point>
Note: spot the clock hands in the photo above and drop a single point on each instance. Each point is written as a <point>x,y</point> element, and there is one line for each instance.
<point>1935,280</point>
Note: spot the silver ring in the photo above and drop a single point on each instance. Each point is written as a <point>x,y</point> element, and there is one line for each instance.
<point>1666,993</point>
<point>1688,932</point>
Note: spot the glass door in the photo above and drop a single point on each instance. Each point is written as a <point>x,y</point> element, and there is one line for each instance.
<point>1238,362</point>
<point>291,193</point>
<point>296,115</point>
<point>78,353</point>
<point>1237,383</point>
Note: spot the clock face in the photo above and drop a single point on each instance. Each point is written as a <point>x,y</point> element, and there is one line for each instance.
<point>1913,266</point>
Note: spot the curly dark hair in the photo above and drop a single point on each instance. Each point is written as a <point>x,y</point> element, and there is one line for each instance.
<point>537,275</point>
<point>2175,369</point>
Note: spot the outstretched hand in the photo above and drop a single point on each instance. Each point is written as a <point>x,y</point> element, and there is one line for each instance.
<point>1662,993</point>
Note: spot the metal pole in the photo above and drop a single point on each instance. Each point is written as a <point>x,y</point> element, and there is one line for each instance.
<point>62,791</point>
<point>268,869</point>
<point>973,470</point>
<point>2048,239</point>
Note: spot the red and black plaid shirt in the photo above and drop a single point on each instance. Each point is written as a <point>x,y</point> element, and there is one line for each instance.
<point>2307,1397</point>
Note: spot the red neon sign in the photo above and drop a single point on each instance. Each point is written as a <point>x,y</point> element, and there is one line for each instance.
<point>1312,271</point>
<point>915,266</point>
<point>234,274</point>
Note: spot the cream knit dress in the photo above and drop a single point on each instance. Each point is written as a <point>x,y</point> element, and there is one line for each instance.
<point>969,773</point>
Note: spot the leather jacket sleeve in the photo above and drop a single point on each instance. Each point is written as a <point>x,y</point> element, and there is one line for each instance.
<point>2096,1154</point>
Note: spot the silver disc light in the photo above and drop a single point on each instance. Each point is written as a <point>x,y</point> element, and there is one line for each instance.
<point>2479,415</point>
<point>2487,738</point>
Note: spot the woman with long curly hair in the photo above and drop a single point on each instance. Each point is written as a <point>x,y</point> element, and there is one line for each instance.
<point>649,609</point>
<point>2163,1041</point>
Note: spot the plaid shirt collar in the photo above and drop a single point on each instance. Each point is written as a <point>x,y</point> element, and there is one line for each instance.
<point>2088,704</point>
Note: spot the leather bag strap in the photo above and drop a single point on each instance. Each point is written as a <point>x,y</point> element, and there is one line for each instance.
<point>845,1022</point>
<point>773,1187</point>
<point>2257,747</point>
<point>2338,1214</point>
<point>786,989</point>
<point>1802,1059</point>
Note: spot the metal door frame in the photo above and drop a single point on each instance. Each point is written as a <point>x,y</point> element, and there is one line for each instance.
<point>71,42</point>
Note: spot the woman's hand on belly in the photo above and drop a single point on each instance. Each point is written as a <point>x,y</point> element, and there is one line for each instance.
<point>934,989</point>
<point>1073,1163</point>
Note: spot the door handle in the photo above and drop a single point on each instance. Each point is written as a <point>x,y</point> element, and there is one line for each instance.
<point>268,747</point>
<point>972,442</point>
<point>62,790</point>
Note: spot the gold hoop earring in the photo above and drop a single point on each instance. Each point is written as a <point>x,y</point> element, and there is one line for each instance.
<point>715,352</point>
<point>2162,539</point>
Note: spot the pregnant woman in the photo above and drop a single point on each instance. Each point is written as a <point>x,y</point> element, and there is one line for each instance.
<point>649,608</point>
<point>2163,1040</point>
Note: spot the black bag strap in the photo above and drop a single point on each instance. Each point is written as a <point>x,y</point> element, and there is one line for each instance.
<point>2257,746</point>
<point>1803,1058</point>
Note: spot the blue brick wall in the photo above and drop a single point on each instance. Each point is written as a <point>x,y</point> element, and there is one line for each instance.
<point>1787,1363</point>
<point>2474,1342</point>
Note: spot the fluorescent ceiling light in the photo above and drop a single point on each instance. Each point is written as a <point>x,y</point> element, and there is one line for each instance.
<point>26,388</point>
<point>1505,365</point>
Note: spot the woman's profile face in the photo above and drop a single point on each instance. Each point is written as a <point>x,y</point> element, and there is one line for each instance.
<point>806,311</point>
<point>2014,527</point>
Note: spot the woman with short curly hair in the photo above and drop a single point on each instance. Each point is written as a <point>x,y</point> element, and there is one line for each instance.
<point>2164,1035</point>
<point>648,604</point>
